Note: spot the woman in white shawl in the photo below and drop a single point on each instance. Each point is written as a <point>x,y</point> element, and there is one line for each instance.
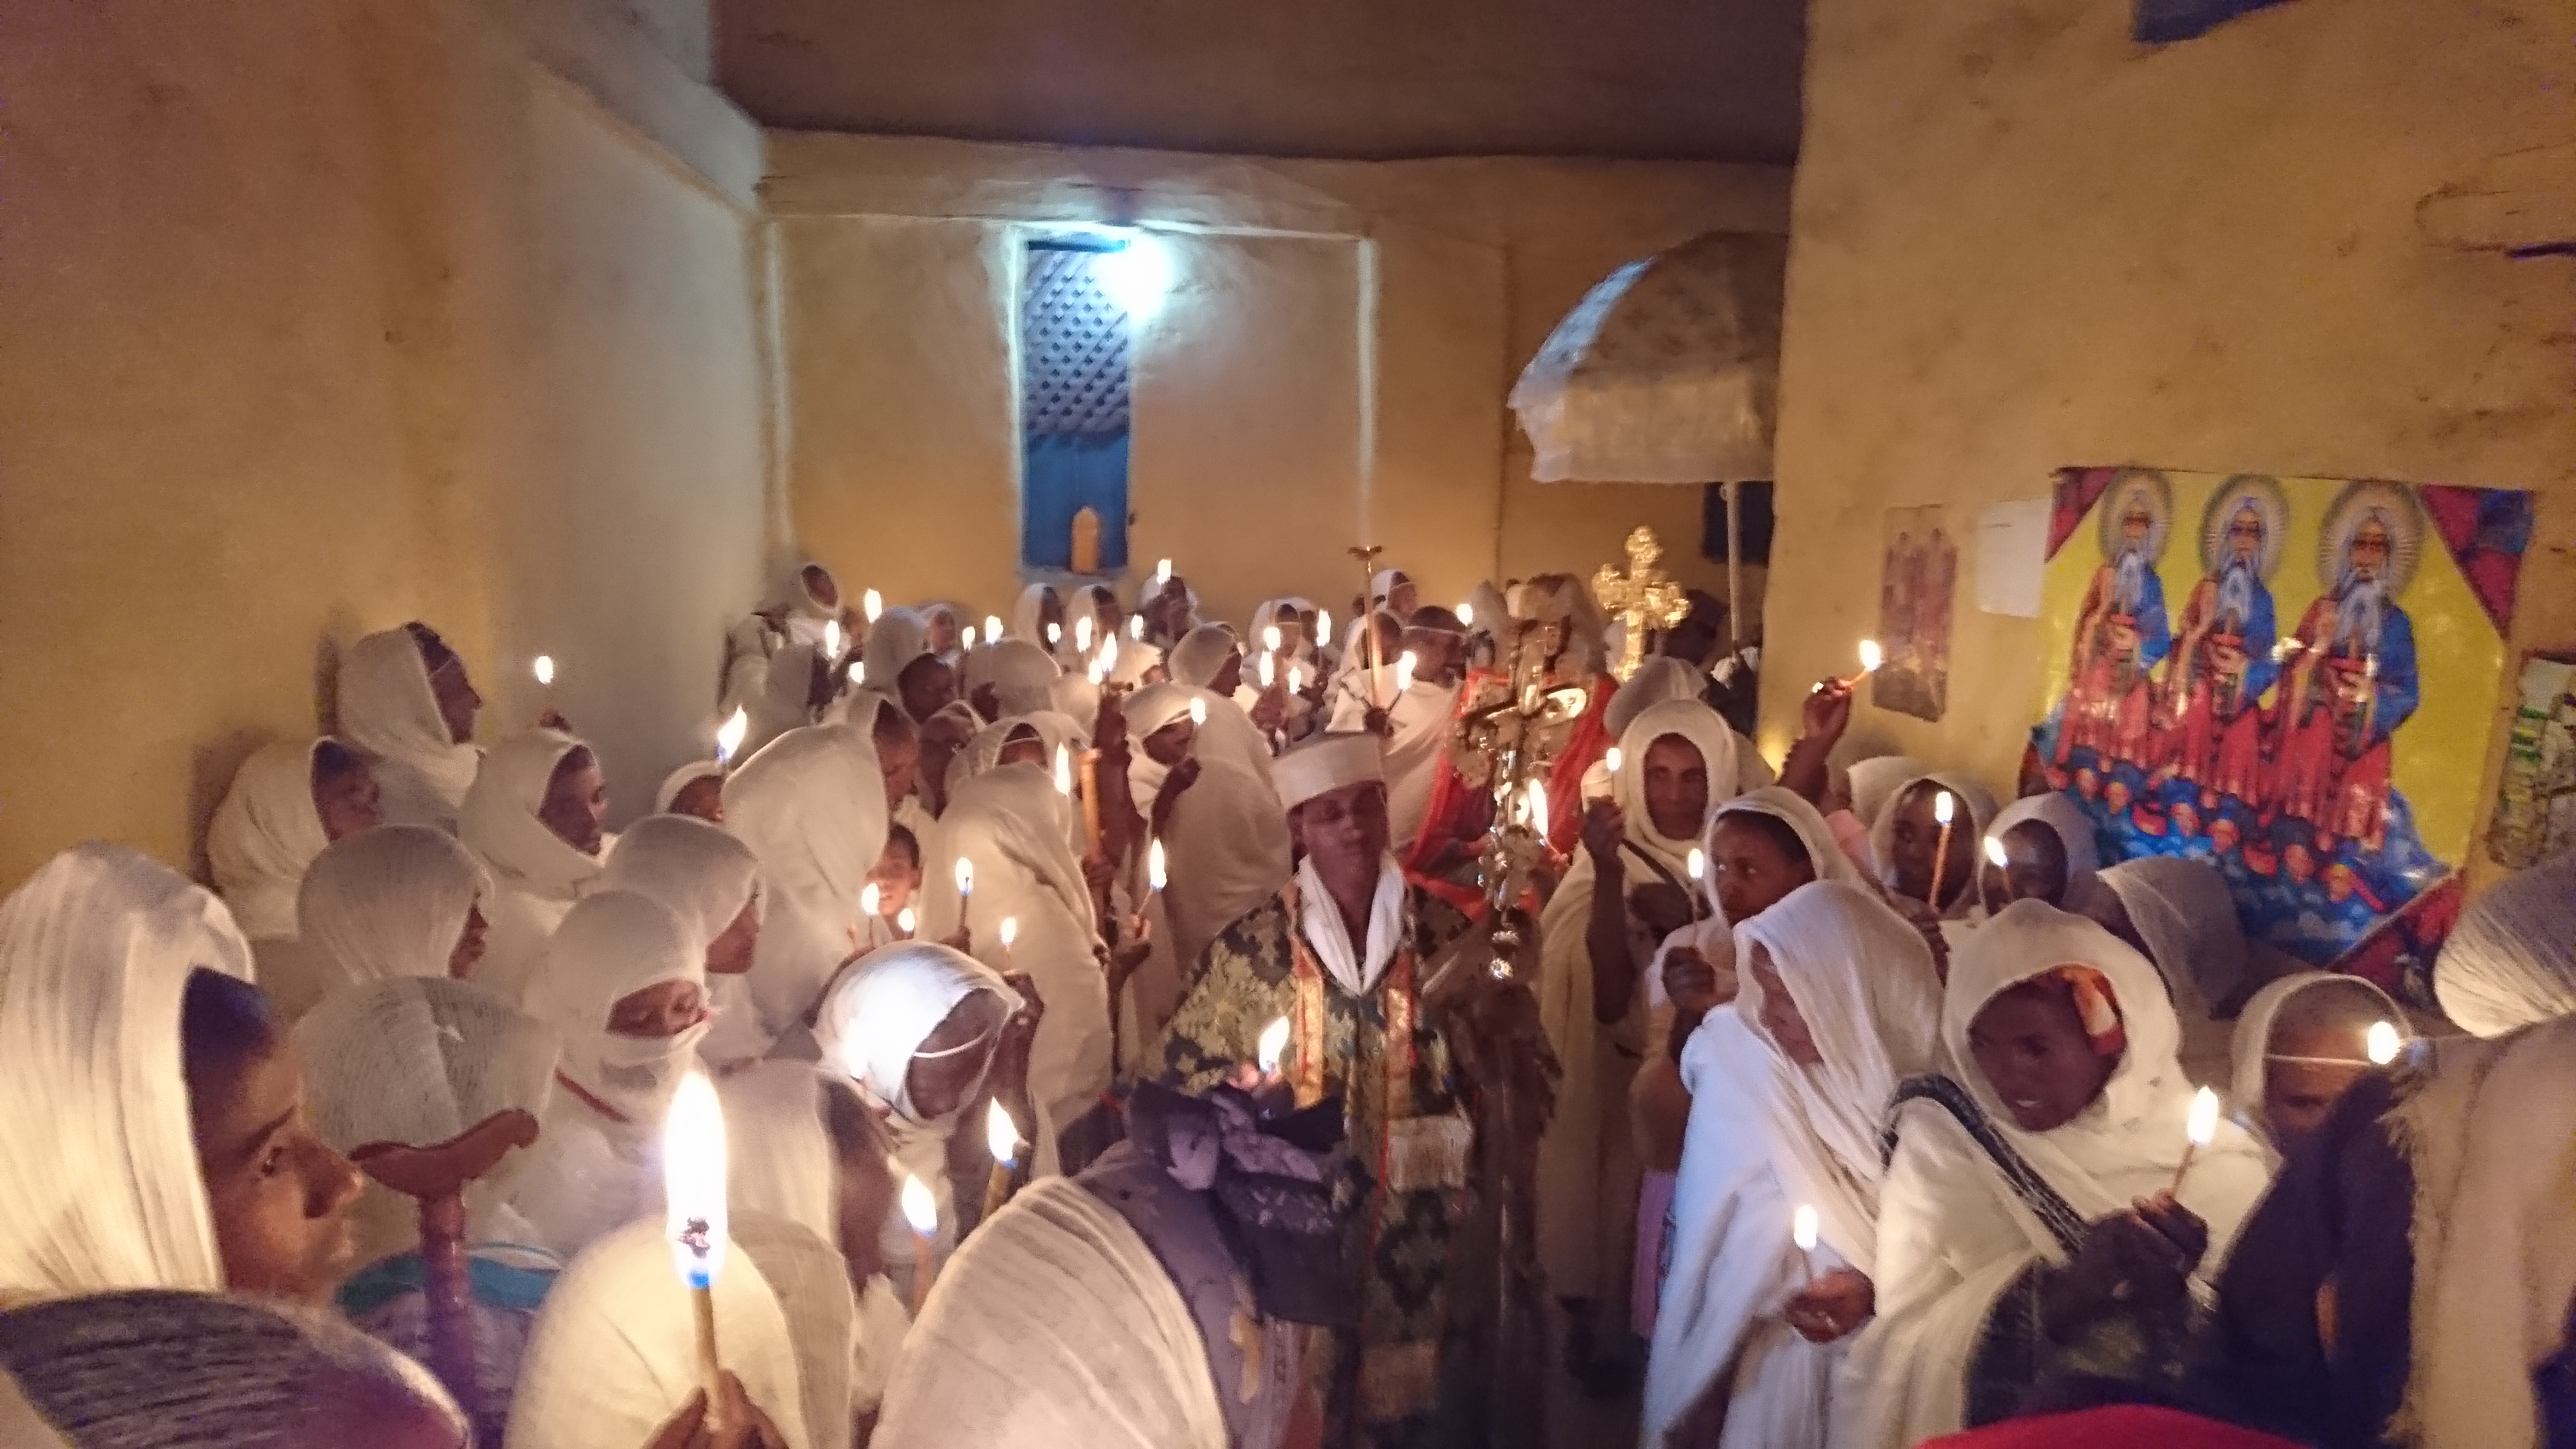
<point>1839,1004</point>
<point>2512,957</point>
<point>902,666</point>
<point>812,807</point>
<point>1038,618</point>
<point>696,788</point>
<point>2300,1045</point>
<point>2029,1222</point>
<point>398,901</point>
<point>286,805</point>
<point>1011,677</point>
<point>615,1352</point>
<point>625,989</point>
<point>932,1036</point>
<point>1922,879</point>
<point>406,703</point>
<point>2049,855</point>
<point>2178,910</point>
<point>1205,790</point>
<point>1011,826</point>
<point>700,873</point>
<point>1680,761</point>
<point>535,819</point>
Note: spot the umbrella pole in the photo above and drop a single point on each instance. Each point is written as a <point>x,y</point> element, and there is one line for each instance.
<point>1734,560</point>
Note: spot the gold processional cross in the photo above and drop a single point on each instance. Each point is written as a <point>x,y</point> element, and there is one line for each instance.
<point>1644,599</point>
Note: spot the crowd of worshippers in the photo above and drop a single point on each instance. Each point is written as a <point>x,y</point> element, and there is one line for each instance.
<point>1111,1046</point>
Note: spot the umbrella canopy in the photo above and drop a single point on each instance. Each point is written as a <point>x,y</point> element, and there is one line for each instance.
<point>1668,371</point>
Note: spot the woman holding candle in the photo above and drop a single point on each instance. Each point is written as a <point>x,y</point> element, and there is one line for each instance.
<point>1038,617</point>
<point>1839,1004</point>
<point>1205,791</point>
<point>2049,854</point>
<point>1927,865</point>
<point>536,818</point>
<point>2301,1043</point>
<point>2030,1224</point>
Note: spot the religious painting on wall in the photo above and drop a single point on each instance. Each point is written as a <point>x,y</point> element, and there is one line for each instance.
<point>2292,678</point>
<point>2535,814</point>
<point>1915,585</point>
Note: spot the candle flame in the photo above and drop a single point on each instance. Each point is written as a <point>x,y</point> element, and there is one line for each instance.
<point>1613,760</point>
<point>1698,863</point>
<point>869,899</point>
<point>1270,638</point>
<point>1055,635</point>
<point>1404,668</point>
<point>968,639</point>
<point>1155,873</point>
<point>1274,1044</point>
<point>2203,1126</point>
<point>1010,931</point>
<point>1269,670</point>
<point>965,876</point>
<point>1802,1227</point>
<point>2383,1041</point>
<point>1945,806</point>
<point>730,737</point>
<point>993,628</point>
<point>1136,627</point>
<point>905,921</point>
<point>693,1166</point>
<point>1871,656</point>
<point>1296,679</point>
<point>872,604</point>
<point>1001,1135</point>
<point>1082,630</point>
<point>832,640</point>
<point>1163,571</point>
<point>546,670</point>
<point>1323,624</point>
<point>1198,712</point>
<point>858,671</point>
<point>1064,770</point>
<point>1467,615</point>
<point>1995,852</point>
<point>919,1208</point>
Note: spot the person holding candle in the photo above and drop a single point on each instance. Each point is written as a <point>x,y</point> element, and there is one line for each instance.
<point>536,818</point>
<point>625,987</point>
<point>2301,1043</point>
<point>1207,793</point>
<point>942,736</point>
<point>812,807</point>
<point>1929,866</point>
<point>696,789</point>
<point>1839,1004</point>
<point>902,665</point>
<point>397,901</point>
<point>2031,1226</point>
<point>1628,889</point>
<point>406,703</point>
<point>1038,617</point>
<point>1416,721</point>
<point>2049,854</point>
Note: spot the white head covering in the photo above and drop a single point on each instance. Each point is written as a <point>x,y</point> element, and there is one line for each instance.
<point>984,751</point>
<point>1054,1327</point>
<point>389,711</point>
<point>702,873</point>
<point>1226,837</point>
<point>609,947</point>
<point>1659,678</point>
<point>2511,960</point>
<point>1874,781</point>
<point>783,1169</point>
<point>500,820</point>
<point>389,902</point>
<point>1028,616</point>
<point>803,606</point>
<point>1075,697</point>
<point>812,807</point>
<point>418,1061</point>
<point>103,1192</point>
<point>895,640</point>
<point>2182,910</point>
<point>1382,584</point>
<point>1490,606</point>
<point>615,1352</point>
<point>681,779</point>
<point>1201,653</point>
<point>264,835</point>
<point>886,1004</point>
<point>2253,1044</point>
<point>1326,764</point>
<point>1022,675</point>
<point>164,1370</point>
<point>2074,831</point>
<point>1978,801</point>
<point>1135,659</point>
<point>1720,751</point>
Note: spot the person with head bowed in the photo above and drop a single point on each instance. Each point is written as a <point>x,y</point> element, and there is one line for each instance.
<point>933,1037</point>
<point>625,989</point>
<point>537,819</point>
<point>1038,618</point>
<point>1010,677</point>
<point>700,873</point>
<point>406,703</point>
<point>2179,912</point>
<point>1385,994</point>
<point>151,1104</point>
<point>1628,890</point>
<point>2037,1225</point>
<point>1838,1004</point>
<point>812,807</point>
<point>696,788</point>
<point>902,665</point>
<point>399,901</point>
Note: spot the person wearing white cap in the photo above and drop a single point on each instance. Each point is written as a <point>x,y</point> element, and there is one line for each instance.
<point>1343,955</point>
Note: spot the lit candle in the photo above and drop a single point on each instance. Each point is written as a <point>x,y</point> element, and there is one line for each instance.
<point>2382,1043</point>
<point>1010,936</point>
<point>1467,615</point>
<point>1064,771</point>
<point>832,639</point>
<point>872,604</point>
<point>2198,1131</point>
<point>1002,1138</point>
<point>858,671</point>
<point>1274,1045</point>
<point>1163,572</point>
<point>921,1211</point>
<point>1613,760</point>
<point>1269,670</point>
<point>1802,1231</point>
<point>1697,863</point>
<point>1155,873</point>
<point>1198,713</point>
<point>1995,852</point>
<point>1108,658</point>
<point>730,736</point>
<point>869,899</point>
<point>965,880</point>
<point>904,921</point>
<point>1296,679</point>
<point>969,636</point>
<point>1323,626</point>
<point>1943,807</point>
<point>993,628</point>
<point>545,670</point>
<point>693,1167</point>
<point>1055,635</point>
<point>1082,630</point>
<point>1871,656</point>
<point>1404,668</point>
<point>1136,627</point>
<point>1270,638</point>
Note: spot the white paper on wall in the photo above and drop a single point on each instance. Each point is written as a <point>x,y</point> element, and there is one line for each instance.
<point>2012,556</point>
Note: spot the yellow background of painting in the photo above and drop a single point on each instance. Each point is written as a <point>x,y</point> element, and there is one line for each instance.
<point>2438,755</point>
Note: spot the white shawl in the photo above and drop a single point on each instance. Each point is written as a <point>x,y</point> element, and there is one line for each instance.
<point>102,1191</point>
<point>1226,841</point>
<point>1964,834</point>
<point>536,876</point>
<point>389,711</point>
<point>1028,617</point>
<point>263,836</point>
<point>812,806</point>
<point>615,1351</point>
<point>1953,1234</point>
<point>2251,1051</point>
<point>2067,821</point>
<point>783,1169</point>
<point>701,873</point>
<point>2511,960</point>
<point>389,903</point>
<point>1022,675</point>
<point>1011,823</point>
<point>1054,1327</point>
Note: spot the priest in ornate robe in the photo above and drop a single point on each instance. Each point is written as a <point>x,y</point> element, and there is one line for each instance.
<point>1354,960</point>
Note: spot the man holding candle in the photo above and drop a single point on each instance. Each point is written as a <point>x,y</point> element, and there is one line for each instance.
<point>1355,960</point>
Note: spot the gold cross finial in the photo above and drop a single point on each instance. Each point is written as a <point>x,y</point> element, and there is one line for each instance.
<point>1643,599</point>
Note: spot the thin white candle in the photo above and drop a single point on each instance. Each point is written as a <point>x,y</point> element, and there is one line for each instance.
<point>921,1214</point>
<point>1802,1231</point>
<point>2198,1131</point>
<point>693,1193</point>
<point>1946,806</point>
<point>1269,670</point>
